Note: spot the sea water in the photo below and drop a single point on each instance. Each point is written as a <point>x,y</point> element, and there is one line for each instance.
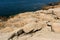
<point>11,7</point>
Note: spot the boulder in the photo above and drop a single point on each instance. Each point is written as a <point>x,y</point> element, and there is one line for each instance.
<point>33,26</point>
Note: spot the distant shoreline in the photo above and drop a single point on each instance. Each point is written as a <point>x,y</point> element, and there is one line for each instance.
<point>51,5</point>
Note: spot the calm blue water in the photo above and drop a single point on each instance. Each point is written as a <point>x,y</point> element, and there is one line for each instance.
<point>9,7</point>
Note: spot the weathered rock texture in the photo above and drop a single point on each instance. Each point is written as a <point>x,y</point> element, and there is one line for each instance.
<point>38,25</point>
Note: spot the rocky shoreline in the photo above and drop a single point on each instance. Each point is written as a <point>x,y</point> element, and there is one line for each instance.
<point>39,25</point>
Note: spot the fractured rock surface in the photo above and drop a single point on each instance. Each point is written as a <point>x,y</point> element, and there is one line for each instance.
<point>41,24</point>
